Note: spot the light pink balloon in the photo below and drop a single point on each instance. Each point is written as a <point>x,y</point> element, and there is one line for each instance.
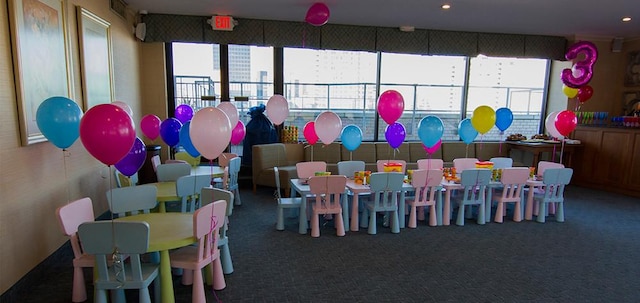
<point>390,106</point>
<point>550,124</point>
<point>124,106</point>
<point>328,126</point>
<point>150,126</point>
<point>210,132</point>
<point>277,109</point>
<point>238,133</point>
<point>231,111</point>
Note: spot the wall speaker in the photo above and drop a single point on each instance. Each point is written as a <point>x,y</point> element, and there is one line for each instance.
<point>141,31</point>
<point>616,45</point>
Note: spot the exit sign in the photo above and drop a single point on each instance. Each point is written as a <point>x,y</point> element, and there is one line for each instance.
<point>222,23</point>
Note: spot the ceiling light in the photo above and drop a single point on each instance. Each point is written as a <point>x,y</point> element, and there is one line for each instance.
<point>446,6</point>
<point>626,19</point>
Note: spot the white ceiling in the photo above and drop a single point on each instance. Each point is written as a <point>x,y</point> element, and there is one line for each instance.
<point>582,19</point>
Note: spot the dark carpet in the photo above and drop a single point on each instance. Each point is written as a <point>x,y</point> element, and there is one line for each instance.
<point>592,257</point>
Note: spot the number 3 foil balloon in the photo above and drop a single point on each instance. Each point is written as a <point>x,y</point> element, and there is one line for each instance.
<point>584,68</point>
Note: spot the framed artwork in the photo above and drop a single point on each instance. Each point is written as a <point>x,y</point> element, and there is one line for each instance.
<point>40,58</point>
<point>94,36</point>
<point>631,103</point>
<point>632,72</point>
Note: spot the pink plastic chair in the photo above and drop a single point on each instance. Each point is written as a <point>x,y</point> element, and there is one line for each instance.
<point>430,164</point>
<point>380,165</point>
<point>207,222</point>
<point>513,181</point>
<point>328,191</point>
<point>464,163</point>
<point>70,217</point>
<point>308,169</point>
<point>427,185</point>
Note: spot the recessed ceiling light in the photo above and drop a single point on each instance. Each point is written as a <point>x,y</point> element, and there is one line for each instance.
<point>626,19</point>
<point>446,6</point>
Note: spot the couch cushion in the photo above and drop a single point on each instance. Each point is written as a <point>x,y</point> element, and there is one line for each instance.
<point>365,152</point>
<point>453,150</point>
<point>327,153</point>
<point>488,150</point>
<point>385,152</point>
<point>294,153</point>
<point>417,152</point>
<point>267,177</point>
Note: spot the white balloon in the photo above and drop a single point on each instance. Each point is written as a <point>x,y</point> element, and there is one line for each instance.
<point>550,124</point>
<point>230,110</point>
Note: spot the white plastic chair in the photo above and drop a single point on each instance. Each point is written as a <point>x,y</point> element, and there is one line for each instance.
<point>283,203</point>
<point>501,162</point>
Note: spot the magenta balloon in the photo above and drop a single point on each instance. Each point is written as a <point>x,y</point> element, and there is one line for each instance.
<point>210,132</point>
<point>582,68</point>
<point>132,162</point>
<point>390,106</point>
<point>431,150</point>
<point>309,132</point>
<point>318,14</point>
<point>107,133</point>
<point>183,113</point>
<point>150,126</point>
<point>238,133</point>
<point>566,122</point>
<point>395,134</point>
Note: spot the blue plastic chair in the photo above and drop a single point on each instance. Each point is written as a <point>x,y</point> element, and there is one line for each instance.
<point>172,171</point>
<point>189,188</point>
<point>554,179</point>
<point>475,183</point>
<point>120,239</point>
<point>385,189</point>
<point>132,200</point>
<point>288,203</point>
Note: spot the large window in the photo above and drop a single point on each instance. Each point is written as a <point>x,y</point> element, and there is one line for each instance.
<point>341,81</point>
<point>450,87</point>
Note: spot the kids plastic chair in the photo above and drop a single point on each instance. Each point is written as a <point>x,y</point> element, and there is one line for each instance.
<point>328,191</point>
<point>209,195</point>
<point>555,180</point>
<point>385,189</point>
<point>427,187</point>
<point>283,203</point>
<point>474,182</point>
<point>307,170</point>
<point>513,182</point>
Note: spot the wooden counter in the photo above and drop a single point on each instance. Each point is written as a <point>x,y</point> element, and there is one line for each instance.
<point>610,159</point>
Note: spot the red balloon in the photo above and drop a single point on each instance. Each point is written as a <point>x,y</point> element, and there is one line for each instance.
<point>108,134</point>
<point>566,122</point>
<point>309,132</point>
<point>585,93</point>
<point>318,14</point>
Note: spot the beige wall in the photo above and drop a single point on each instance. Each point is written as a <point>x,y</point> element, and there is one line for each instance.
<point>37,179</point>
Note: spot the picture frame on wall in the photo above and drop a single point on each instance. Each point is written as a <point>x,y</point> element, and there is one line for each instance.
<point>40,58</point>
<point>632,71</point>
<point>96,63</point>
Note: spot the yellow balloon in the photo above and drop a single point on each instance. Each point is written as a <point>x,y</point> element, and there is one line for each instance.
<point>569,91</point>
<point>483,119</point>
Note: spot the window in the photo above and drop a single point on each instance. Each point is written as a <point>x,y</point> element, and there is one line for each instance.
<point>196,72</point>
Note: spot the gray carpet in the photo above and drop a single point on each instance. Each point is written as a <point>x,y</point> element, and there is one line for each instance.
<point>592,257</point>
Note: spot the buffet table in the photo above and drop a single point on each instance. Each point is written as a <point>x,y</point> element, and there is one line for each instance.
<point>537,148</point>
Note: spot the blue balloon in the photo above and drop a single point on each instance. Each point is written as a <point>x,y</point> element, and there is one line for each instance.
<point>430,130</point>
<point>185,140</point>
<point>351,137</point>
<point>170,131</point>
<point>466,131</point>
<point>504,118</point>
<point>59,121</point>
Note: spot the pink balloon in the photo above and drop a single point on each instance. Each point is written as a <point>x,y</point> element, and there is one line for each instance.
<point>431,150</point>
<point>277,109</point>
<point>238,133</point>
<point>150,125</point>
<point>309,132</point>
<point>124,106</point>
<point>550,124</point>
<point>390,106</point>
<point>231,111</point>
<point>566,122</point>
<point>328,126</point>
<point>318,14</point>
<point>210,132</point>
<point>107,133</point>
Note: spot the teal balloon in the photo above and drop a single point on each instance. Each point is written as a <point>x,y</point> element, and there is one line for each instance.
<point>58,119</point>
<point>466,131</point>
<point>430,130</point>
<point>504,118</point>
<point>351,137</point>
<point>185,140</point>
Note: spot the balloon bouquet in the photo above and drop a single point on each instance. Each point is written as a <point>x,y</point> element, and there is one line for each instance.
<point>390,109</point>
<point>575,79</point>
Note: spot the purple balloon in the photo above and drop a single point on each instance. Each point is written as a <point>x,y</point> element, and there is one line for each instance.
<point>582,70</point>
<point>395,134</point>
<point>170,131</point>
<point>132,162</point>
<point>184,113</point>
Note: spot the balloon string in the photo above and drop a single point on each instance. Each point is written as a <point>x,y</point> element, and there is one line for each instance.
<point>500,145</point>
<point>561,151</point>
<point>553,155</point>
<point>66,176</point>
